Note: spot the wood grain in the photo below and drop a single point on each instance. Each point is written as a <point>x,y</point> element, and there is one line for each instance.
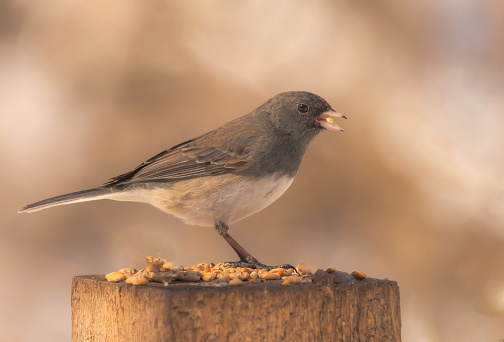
<point>365,310</point>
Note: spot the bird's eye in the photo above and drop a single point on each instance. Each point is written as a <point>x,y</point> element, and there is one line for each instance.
<point>302,108</point>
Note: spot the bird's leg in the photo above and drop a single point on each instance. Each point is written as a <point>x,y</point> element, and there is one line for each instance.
<point>246,259</point>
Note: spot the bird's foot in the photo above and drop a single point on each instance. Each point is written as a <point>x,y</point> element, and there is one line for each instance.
<point>249,262</point>
<point>255,264</point>
<point>284,266</point>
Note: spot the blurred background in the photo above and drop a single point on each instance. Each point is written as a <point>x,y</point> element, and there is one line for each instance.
<point>413,190</point>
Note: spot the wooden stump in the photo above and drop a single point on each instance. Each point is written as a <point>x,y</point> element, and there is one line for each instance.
<point>366,310</point>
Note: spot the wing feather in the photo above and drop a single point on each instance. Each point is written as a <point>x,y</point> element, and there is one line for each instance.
<point>184,161</point>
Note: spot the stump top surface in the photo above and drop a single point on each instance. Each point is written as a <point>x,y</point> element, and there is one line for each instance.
<point>345,280</point>
<point>351,310</point>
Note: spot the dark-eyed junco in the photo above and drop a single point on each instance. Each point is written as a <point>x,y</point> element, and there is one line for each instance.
<point>224,175</point>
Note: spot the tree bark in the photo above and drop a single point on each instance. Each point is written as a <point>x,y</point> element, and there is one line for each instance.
<point>366,310</point>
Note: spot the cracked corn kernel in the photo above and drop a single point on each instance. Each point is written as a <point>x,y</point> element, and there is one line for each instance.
<point>209,276</point>
<point>154,264</point>
<point>294,279</point>
<point>234,275</point>
<point>280,271</point>
<point>225,277</point>
<point>115,276</point>
<point>127,271</point>
<point>235,281</point>
<point>359,275</point>
<point>302,269</point>
<point>270,276</point>
<point>329,119</point>
<point>137,280</point>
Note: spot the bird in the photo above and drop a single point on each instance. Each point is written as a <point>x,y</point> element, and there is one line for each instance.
<point>225,175</point>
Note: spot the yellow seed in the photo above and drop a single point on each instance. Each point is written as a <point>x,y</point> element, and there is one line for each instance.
<point>225,277</point>
<point>329,119</point>
<point>302,269</point>
<point>286,282</point>
<point>127,271</point>
<point>359,275</point>
<point>279,271</point>
<point>254,275</point>
<point>209,276</point>
<point>115,276</point>
<point>136,280</point>
<point>270,276</point>
<point>235,281</point>
<point>139,281</point>
<point>251,280</point>
<point>330,270</point>
<point>293,279</point>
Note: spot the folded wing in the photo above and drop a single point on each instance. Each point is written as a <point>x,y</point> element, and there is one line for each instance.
<point>183,161</point>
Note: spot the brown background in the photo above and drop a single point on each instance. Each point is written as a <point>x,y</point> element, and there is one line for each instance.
<point>411,191</point>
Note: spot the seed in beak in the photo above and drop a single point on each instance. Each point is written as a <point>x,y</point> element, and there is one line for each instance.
<point>329,119</point>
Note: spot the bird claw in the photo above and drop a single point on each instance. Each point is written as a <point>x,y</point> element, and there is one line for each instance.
<point>246,264</point>
<point>255,264</point>
<point>284,266</point>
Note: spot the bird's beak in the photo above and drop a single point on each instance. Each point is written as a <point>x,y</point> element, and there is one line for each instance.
<point>326,120</point>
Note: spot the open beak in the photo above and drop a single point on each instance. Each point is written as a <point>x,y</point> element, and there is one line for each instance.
<point>326,120</point>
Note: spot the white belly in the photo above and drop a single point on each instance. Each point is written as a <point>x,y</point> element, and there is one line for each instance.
<point>226,200</point>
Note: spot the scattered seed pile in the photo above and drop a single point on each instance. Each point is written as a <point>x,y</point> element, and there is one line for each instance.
<point>222,274</point>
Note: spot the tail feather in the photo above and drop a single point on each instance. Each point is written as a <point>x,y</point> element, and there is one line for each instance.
<point>74,197</point>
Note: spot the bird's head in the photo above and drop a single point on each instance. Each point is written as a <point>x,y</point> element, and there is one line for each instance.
<point>299,113</point>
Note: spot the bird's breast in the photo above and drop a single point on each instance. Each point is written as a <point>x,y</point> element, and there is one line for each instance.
<point>228,198</point>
